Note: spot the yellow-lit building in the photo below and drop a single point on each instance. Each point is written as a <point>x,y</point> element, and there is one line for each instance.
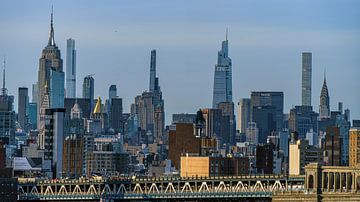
<point>205,166</point>
<point>354,146</point>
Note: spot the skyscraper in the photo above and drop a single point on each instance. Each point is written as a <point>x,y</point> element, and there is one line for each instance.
<point>23,107</point>
<point>70,69</point>
<point>324,108</point>
<point>112,92</point>
<point>243,114</point>
<point>34,93</point>
<point>88,89</point>
<point>7,115</point>
<point>306,79</point>
<point>57,89</point>
<point>50,60</point>
<point>152,71</point>
<point>222,77</point>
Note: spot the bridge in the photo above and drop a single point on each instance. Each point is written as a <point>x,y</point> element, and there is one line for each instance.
<point>320,183</point>
<point>159,188</point>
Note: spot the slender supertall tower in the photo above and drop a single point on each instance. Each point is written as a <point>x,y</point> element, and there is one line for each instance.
<point>3,89</point>
<point>50,63</point>
<point>152,71</point>
<point>306,79</point>
<point>324,108</point>
<point>223,76</point>
<point>70,69</point>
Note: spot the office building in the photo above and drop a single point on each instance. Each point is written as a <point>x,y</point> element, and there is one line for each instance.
<point>54,139</point>
<point>116,110</point>
<point>243,114</point>
<point>73,156</point>
<point>252,133</point>
<point>205,166</point>
<point>183,118</point>
<point>33,115</point>
<point>268,100</point>
<point>324,107</point>
<point>84,104</point>
<point>265,120</point>
<point>50,65</point>
<point>354,146</point>
<point>222,76</point>
<point>70,68</point>
<point>57,89</point>
<point>306,79</point>
<point>88,90</point>
<point>301,154</point>
<point>227,109</point>
<point>112,92</point>
<point>34,93</point>
<point>23,108</point>
<point>303,119</point>
<point>333,143</point>
<point>7,115</point>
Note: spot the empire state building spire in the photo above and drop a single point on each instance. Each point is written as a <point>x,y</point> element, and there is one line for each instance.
<point>51,37</point>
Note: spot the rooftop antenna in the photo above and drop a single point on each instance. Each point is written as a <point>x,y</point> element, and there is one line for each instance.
<point>3,89</point>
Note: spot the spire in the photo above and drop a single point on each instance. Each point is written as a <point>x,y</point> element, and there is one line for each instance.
<point>226,35</point>
<point>97,109</point>
<point>3,89</point>
<point>51,37</point>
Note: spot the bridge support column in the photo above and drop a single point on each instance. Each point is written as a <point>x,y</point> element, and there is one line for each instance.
<point>341,174</point>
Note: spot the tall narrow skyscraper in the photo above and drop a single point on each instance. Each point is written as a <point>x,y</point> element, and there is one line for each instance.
<point>70,69</point>
<point>324,108</point>
<point>50,60</point>
<point>152,71</point>
<point>243,114</point>
<point>222,77</point>
<point>306,79</point>
<point>23,108</point>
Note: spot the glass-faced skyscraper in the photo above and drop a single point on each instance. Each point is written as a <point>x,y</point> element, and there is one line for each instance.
<point>306,79</point>
<point>222,77</point>
<point>88,89</point>
<point>70,69</point>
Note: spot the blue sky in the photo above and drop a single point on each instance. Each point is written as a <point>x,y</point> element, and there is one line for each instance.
<point>266,38</point>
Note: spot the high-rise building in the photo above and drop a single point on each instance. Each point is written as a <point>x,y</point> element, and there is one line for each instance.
<point>112,92</point>
<point>73,156</point>
<point>273,99</point>
<point>70,69</point>
<point>34,93</point>
<point>227,109</point>
<point>354,146</point>
<point>306,79</point>
<point>183,118</point>
<point>252,133</point>
<point>57,89</point>
<point>88,89</point>
<point>152,71</point>
<point>333,143</point>
<point>265,158</point>
<point>23,108</point>
<point>54,139</point>
<point>243,114</point>
<point>50,63</point>
<point>302,119</point>
<point>324,108</point>
<point>33,115</point>
<point>223,76</point>
<point>116,110</point>
<point>7,115</point>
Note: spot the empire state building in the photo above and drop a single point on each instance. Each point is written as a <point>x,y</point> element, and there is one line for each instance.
<point>50,78</point>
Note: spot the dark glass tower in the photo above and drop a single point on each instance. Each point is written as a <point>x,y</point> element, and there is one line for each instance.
<point>306,79</point>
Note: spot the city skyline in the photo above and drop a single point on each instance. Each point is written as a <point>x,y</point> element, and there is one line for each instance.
<point>171,72</point>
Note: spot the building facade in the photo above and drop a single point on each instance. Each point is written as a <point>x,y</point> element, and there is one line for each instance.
<point>243,114</point>
<point>354,147</point>
<point>23,108</point>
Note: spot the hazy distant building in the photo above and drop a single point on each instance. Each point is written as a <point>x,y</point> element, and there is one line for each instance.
<point>33,115</point>
<point>116,110</point>
<point>227,109</point>
<point>70,68</point>
<point>112,92</point>
<point>34,93</point>
<point>222,77</point>
<point>243,114</point>
<point>88,89</point>
<point>252,133</point>
<point>354,146</point>
<point>306,79</point>
<point>23,108</point>
<point>324,108</point>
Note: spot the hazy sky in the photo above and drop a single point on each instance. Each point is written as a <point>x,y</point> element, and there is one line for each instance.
<point>266,38</point>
